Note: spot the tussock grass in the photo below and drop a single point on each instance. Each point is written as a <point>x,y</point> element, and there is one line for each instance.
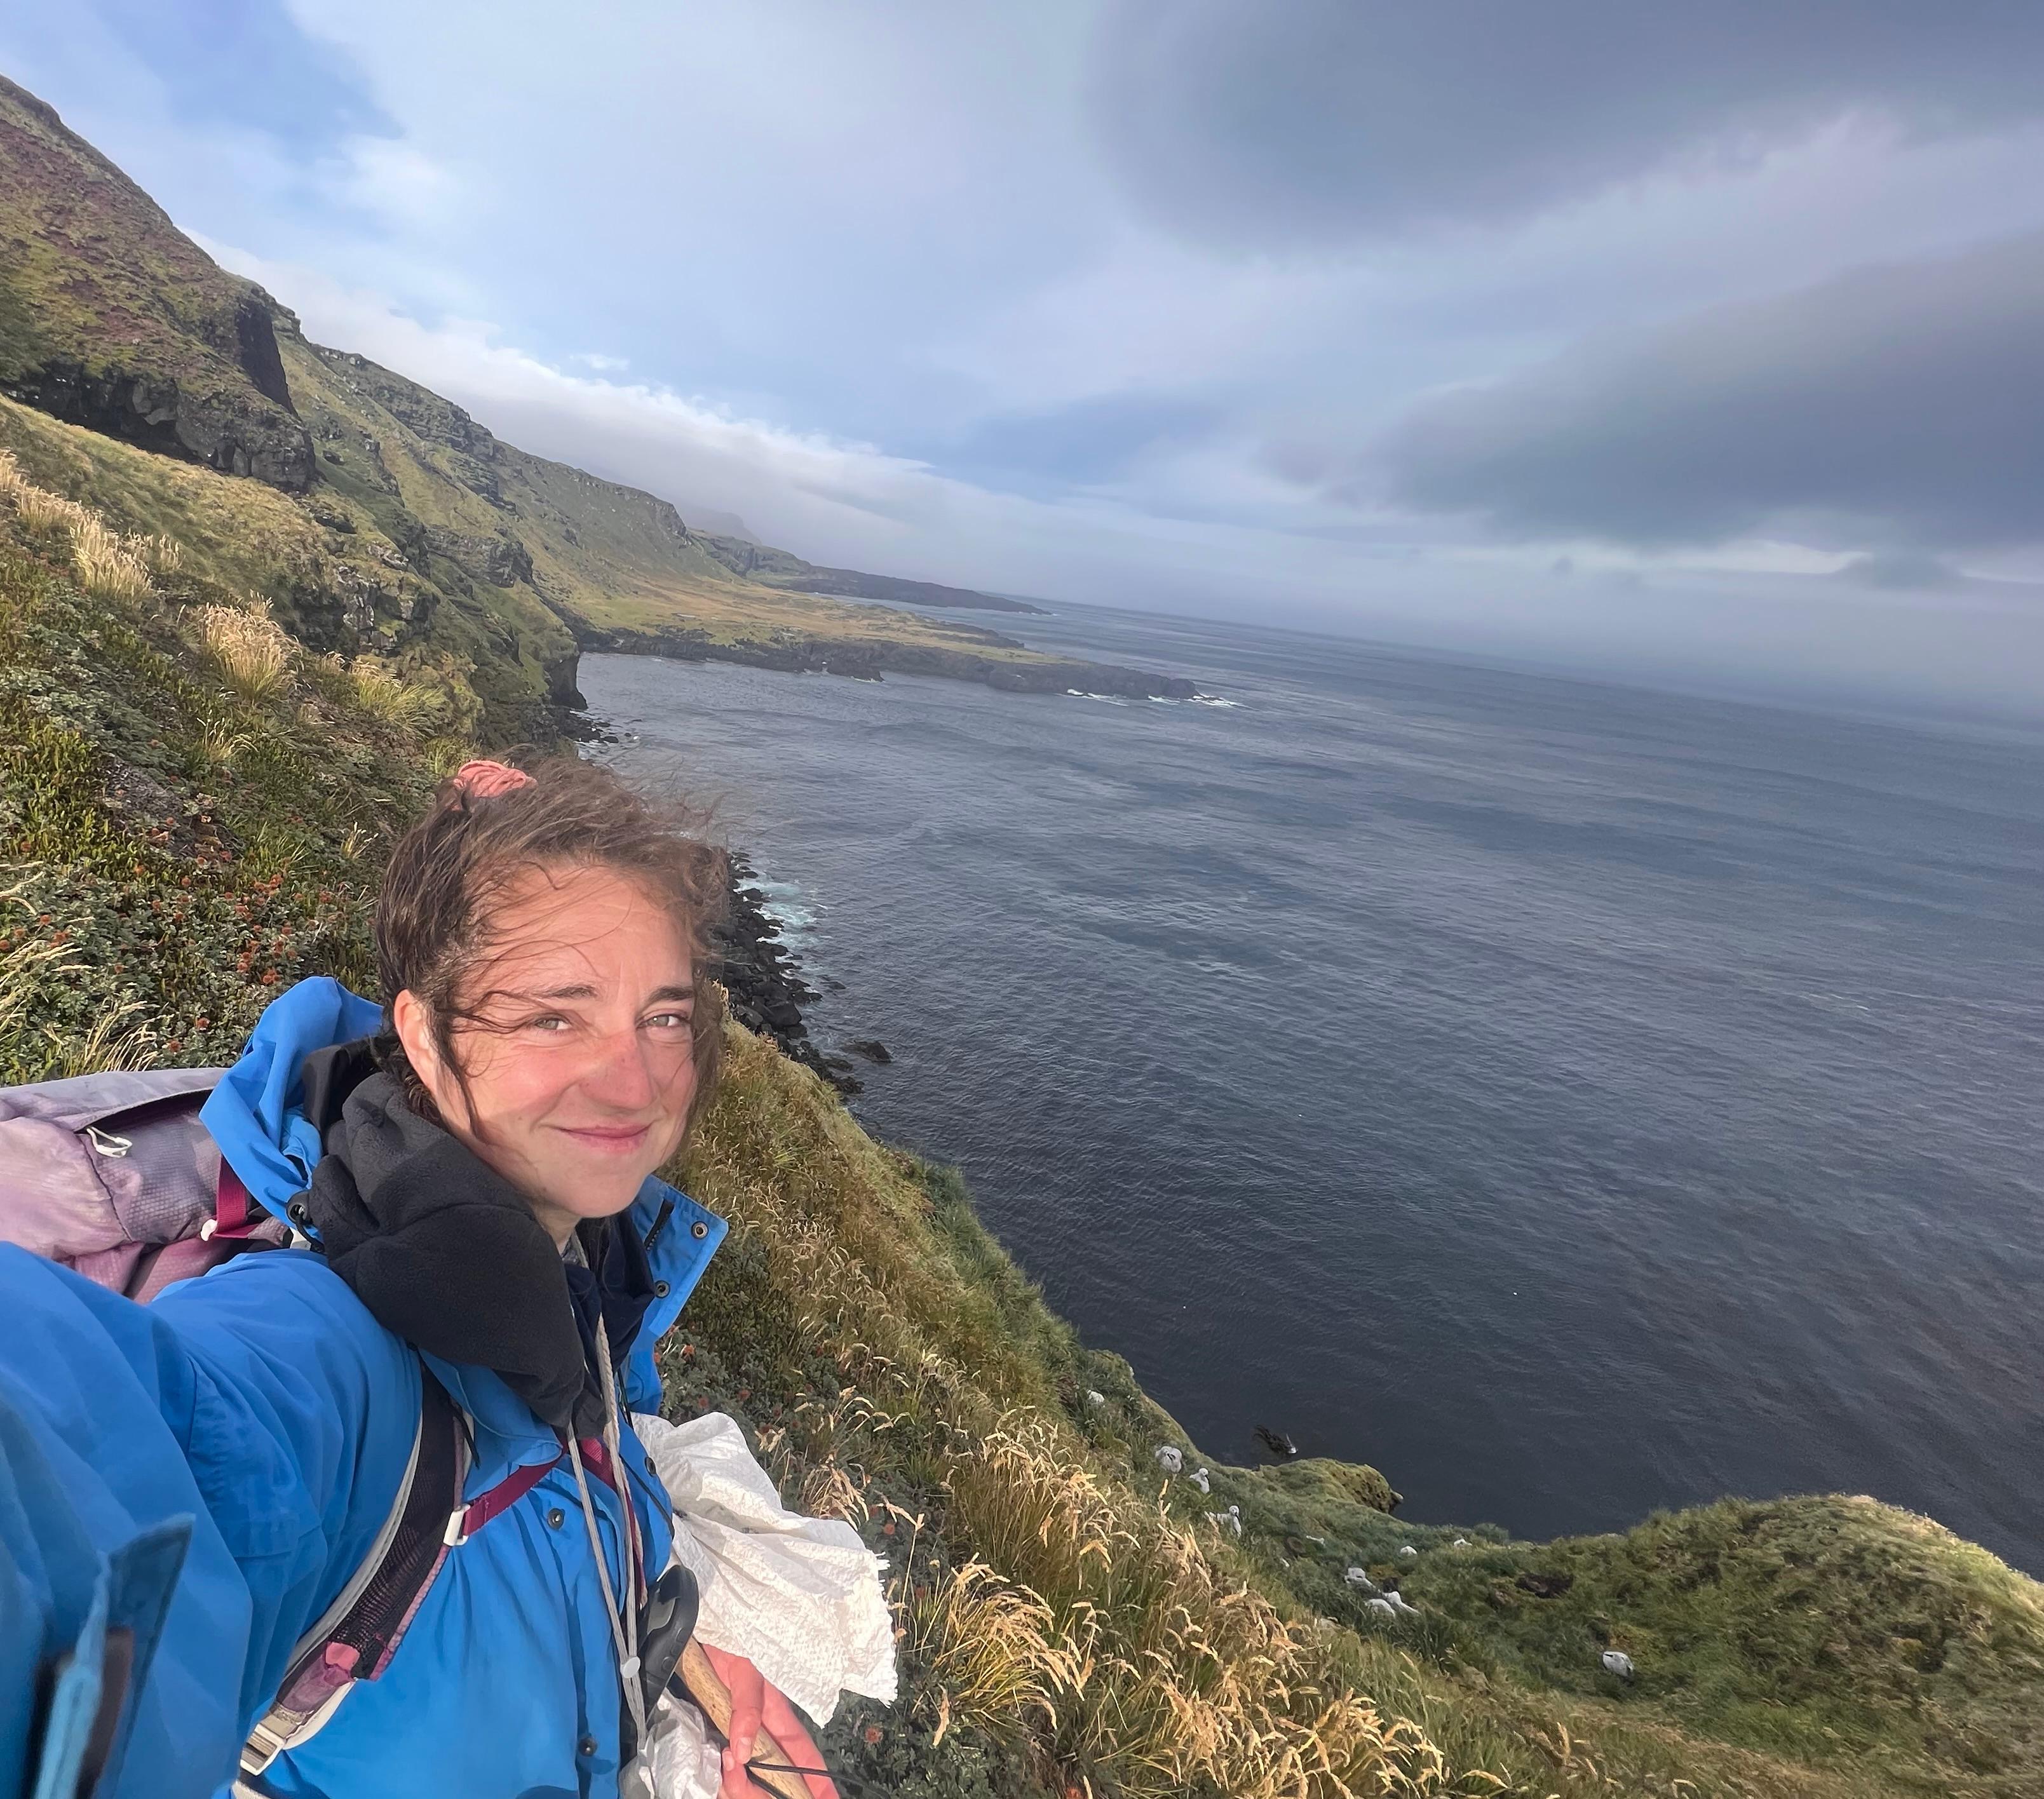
<point>384,693</point>
<point>108,565</point>
<point>992,1650</point>
<point>253,654</point>
<point>180,845</point>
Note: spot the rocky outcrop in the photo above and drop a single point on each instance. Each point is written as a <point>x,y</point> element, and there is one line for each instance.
<point>764,980</point>
<point>562,673</point>
<point>224,430</point>
<point>503,561</point>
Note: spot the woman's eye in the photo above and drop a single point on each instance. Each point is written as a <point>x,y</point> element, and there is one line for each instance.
<point>670,1021</point>
<point>551,1022</point>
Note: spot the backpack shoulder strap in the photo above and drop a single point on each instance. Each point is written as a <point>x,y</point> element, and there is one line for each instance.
<point>357,1634</point>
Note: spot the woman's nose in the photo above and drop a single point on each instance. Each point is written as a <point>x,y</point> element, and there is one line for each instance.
<point>624,1079</point>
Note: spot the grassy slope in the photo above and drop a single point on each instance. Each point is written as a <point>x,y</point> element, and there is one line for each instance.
<point>96,273</point>
<point>184,827</point>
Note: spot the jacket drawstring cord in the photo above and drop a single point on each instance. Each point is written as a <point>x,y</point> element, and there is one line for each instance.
<point>624,1619</point>
<point>613,1441</point>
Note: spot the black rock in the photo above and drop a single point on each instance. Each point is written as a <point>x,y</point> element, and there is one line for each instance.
<point>871,1048</point>
<point>764,980</point>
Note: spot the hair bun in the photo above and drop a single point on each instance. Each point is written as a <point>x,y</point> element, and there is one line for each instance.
<point>485,780</point>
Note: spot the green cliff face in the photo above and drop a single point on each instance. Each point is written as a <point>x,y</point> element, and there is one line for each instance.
<point>111,317</point>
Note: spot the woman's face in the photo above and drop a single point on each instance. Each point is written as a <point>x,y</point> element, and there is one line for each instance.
<point>581,1068</point>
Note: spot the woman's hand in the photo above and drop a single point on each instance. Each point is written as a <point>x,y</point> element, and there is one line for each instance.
<point>756,1705</point>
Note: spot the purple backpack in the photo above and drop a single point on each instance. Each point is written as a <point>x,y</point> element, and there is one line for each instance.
<point>113,1175</point>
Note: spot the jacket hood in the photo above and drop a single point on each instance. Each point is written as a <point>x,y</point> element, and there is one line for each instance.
<point>256,1114</point>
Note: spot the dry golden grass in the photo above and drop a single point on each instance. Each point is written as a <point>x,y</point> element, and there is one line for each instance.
<point>993,1652</point>
<point>164,555</point>
<point>384,693</point>
<point>251,650</point>
<point>106,563</point>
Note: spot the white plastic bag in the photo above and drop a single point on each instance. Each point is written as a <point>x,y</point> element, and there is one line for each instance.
<point>798,1598</point>
<point>679,1761</point>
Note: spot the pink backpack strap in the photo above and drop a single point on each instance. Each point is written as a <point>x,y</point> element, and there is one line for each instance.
<point>463,1524</point>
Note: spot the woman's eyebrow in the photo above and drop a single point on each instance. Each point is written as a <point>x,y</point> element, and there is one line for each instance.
<point>669,993</point>
<point>582,990</point>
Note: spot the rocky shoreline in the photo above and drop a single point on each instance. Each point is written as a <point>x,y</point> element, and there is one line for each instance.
<point>765,981</point>
<point>864,659</point>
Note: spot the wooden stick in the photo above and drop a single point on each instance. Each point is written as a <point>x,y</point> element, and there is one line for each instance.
<point>707,1689</point>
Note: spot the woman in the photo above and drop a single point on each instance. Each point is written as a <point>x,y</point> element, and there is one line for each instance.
<point>481,1217</point>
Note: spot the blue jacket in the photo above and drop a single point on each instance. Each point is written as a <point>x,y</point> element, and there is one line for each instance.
<point>266,1408</point>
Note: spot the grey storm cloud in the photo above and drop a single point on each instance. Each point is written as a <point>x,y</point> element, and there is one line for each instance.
<point>1275,127</point>
<point>1897,407</point>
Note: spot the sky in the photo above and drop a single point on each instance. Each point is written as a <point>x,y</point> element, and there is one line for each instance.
<point>1701,342</point>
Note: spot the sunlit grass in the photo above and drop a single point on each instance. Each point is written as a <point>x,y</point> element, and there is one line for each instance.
<point>251,650</point>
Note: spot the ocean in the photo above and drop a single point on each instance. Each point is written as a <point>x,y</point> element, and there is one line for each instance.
<point>1571,1099</point>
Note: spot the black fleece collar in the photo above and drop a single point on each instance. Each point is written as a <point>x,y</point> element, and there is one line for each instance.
<point>447,1253</point>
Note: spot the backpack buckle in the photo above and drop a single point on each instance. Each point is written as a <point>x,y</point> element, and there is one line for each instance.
<point>454,1534</point>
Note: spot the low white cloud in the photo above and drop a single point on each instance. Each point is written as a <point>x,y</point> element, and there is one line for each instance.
<point>392,183</point>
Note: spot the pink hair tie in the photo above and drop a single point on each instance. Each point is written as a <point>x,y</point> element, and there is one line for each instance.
<point>485,780</point>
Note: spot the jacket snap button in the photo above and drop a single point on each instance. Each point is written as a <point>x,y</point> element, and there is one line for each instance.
<point>556,1517</point>
<point>699,1230</point>
<point>586,1747</point>
<point>661,1290</point>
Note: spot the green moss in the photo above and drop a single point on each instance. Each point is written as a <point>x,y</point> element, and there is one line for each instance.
<point>1834,1630</point>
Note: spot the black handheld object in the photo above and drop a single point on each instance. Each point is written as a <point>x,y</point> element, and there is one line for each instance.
<point>665,1627</point>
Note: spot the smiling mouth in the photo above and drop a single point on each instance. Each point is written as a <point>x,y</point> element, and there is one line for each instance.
<point>615,1137</point>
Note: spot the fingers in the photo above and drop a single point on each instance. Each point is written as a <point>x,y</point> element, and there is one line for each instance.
<point>747,1692</point>
<point>798,1748</point>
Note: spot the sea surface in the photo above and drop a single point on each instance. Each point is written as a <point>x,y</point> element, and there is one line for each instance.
<point>1571,1099</point>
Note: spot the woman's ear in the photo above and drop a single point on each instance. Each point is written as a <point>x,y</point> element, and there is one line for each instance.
<point>414,1027</point>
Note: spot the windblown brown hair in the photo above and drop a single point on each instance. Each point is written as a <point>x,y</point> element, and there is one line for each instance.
<point>450,871</point>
